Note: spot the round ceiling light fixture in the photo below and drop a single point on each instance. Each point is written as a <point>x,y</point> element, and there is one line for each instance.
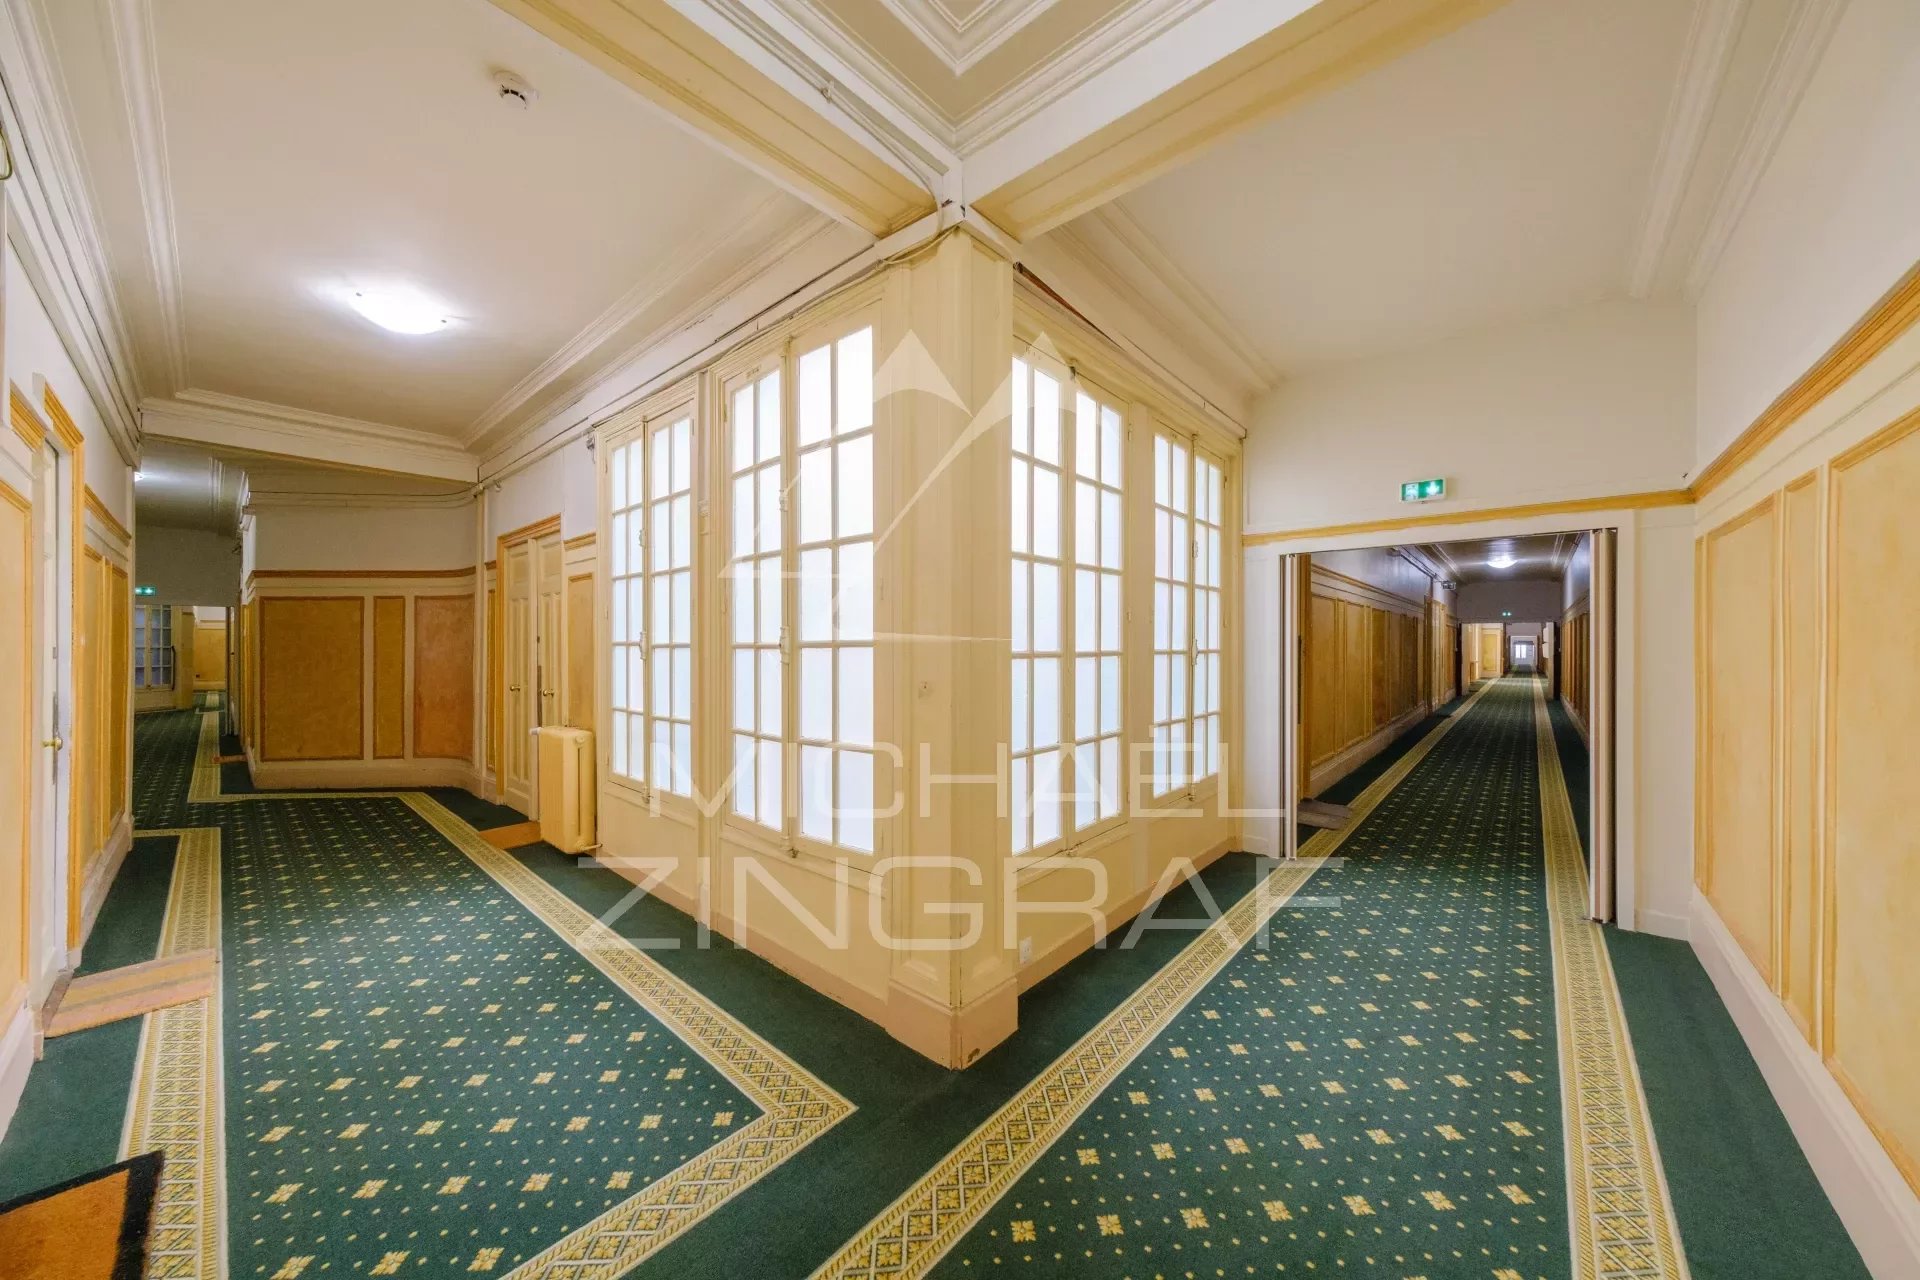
<point>1500,560</point>
<point>514,90</point>
<point>400,309</point>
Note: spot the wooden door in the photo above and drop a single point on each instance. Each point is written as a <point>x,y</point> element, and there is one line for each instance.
<point>518,674</point>
<point>550,638</point>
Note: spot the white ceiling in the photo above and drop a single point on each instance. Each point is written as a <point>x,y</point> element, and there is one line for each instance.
<point>1541,555</point>
<point>253,163</point>
<point>186,488</point>
<point>1498,173</point>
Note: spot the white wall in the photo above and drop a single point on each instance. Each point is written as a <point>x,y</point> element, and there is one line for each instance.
<point>562,482</point>
<point>1832,225</point>
<point>33,352</point>
<point>1596,401</point>
<point>187,566</point>
<point>1520,600</point>
<point>363,538</point>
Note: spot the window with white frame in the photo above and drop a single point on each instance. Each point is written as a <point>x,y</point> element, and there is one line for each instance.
<point>1187,547</point>
<point>825,713</point>
<point>1064,749</point>
<point>650,572</point>
<point>152,646</point>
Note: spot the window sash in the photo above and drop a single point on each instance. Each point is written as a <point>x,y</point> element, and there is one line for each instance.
<point>1188,602</point>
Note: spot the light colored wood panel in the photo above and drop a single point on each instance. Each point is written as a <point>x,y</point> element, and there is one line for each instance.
<point>389,677</point>
<point>1356,697</point>
<point>582,695</point>
<point>494,678</point>
<point>209,654</point>
<point>120,699</point>
<point>1739,872</point>
<point>1872,987</point>
<point>312,668</point>
<point>1799,836</point>
<point>443,677</point>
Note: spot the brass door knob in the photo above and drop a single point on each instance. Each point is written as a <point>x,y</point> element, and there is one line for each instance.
<point>56,742</point>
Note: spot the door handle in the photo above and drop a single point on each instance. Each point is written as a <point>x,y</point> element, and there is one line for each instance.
<point>56,742</point>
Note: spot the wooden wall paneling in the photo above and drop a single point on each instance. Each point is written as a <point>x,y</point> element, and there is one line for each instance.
<point>1799,738</point>
<point>389,677</point>
<point>119,702</point>
<point>493,681</point>
<point>1871,881</point>
<point>209,670</point>
<point>443,677</point>
<point>18,750</point>
<point>1322,679</point>
<point>1738,865</point>
<point>90,757</point>
<point>312,657</point>
<point>581,692</point>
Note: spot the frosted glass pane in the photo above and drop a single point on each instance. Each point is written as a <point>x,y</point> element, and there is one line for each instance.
<point>1022,706</point>
<point>1046,798</point>
<point>1086,697</point>
<point>1109,695</point>
<point>662,480</point>
<point>1018,485</point>
<point>617,477</point>
<point>636,601</point>
<point>1162,615</point>
<point>1177,621</point>
<point>772,805</point>
<point>660,754</point>
<point>816,595</point>
<point>744,514</point>
<point>743,439</point>
<point>682,524</point>
<point>1019,806</point>
<point>1179,764</point>
<point>1180,552</point>
<point>1110,611</point>
<point>618,696</point>
<point>1161,461</point>
<point>772,705</point>
<point>816,395</point>
<point>618,746</point>
<point>816,496</point>
<point>1162,766</point>
<point>662,698</point>
<point>856,381</point>
<point>816,793</point>
<point>1213,684</point>
<point>816,694</point>
<point>636,677</point>
<point>1162,686</point>
<point>772,608</point>
<point>682,684</point>
<point>619,621</point>
<point>1110,436</point>
<point>744,704</point>
<point>1021,437</point>
<point>856,696</point>
<point>1086,451</point>
<point>1046,512</point>
<point>1109,529</point>
<point>683,455</point>
<point>769,415</point>
<point>635,490</point>
<point>1018,618</point>
<point>746,796</point>
<point>1110,780</point>
<point>1086,610</point>
<point>768,516</point>
<point>743,598</point>
<point>636,746</point>
<point>1046,608</point>
<point>683,759</point>
<point>1177,477</point>
<point>661,628</point>
<point>856,800</point>
<point>1177,686</point>
<point>1162,545</point>
<point>682,632</point>
<point>1046,418</point>
<point>1086,520</point>
<point>659,536</point>
<point>856,591</point>
<point>1086,785</point>
<point>1046,702</point>
<point>855,493</point>
<point>618,566</point>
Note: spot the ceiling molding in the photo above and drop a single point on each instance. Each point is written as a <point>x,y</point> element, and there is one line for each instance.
<point>1703,72</point>
<point>962,42</point>
<point>1795,59</point>
<point>134,50</point>
<point>55,231</point>
<point>1145,251</point>
<point>254,426</point>
<point>727,239</point>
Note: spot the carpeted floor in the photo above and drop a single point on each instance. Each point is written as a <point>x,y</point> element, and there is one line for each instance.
<point>1374,1092</point>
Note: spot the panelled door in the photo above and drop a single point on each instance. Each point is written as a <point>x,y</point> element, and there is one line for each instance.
<point>549,646</point>
<point>518,675</point>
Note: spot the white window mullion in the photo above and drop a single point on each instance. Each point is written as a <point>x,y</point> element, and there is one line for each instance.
<point>1172,603</point>
<point>1094,595</point>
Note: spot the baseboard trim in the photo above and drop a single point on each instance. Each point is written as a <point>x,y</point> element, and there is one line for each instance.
<point>16,1060</point>
<point>1664,924</point>
<point>1876,1206</point>
<point>291,775</point>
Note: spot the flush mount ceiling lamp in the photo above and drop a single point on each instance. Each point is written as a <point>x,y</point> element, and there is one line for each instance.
<point>1500,560</point>
<point>400,309</point>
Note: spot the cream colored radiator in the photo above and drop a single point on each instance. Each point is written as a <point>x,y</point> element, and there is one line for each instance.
<point>566,788</point>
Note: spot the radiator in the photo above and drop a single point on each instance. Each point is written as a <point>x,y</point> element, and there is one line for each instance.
<point>566,788</point>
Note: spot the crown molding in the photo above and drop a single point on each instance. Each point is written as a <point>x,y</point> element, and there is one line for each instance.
<point>767,218</point>
<point>961,43</point>
<point>255,426</point>
<point>133,47</point>
<point>1795,59</point>
<point>1703,72</point>
<point>53,228</point>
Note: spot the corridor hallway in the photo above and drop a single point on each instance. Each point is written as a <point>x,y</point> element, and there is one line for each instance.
<point>428,1061</point>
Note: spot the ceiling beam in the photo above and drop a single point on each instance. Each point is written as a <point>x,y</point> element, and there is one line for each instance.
<point>254,427</point>
<point>1135,122</point>
<point>752,111</point>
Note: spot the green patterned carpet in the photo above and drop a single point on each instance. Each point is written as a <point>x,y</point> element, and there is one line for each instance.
<point>1376,1094</point>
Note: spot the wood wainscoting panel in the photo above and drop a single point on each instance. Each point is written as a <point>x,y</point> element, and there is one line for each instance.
<point>493,680</point>
<point>119,703</point>
<point>312,671</point>
<point>1737,865</point>
<point>389,677</point>
<point>1872,880</point>
<point>209,655</point>
<point>581,693</point>
<point>443,677</point>
<point>1800,735</point>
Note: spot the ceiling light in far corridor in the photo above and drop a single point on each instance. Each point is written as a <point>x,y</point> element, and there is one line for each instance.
<point>1500,561</point>
<point>400,309</point>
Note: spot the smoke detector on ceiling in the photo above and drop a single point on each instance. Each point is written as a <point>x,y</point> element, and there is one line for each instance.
<point>514,91</point>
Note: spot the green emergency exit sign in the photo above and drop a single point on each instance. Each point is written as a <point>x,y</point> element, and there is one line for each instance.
<point>143,591</point>
<point>1423,490</point>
